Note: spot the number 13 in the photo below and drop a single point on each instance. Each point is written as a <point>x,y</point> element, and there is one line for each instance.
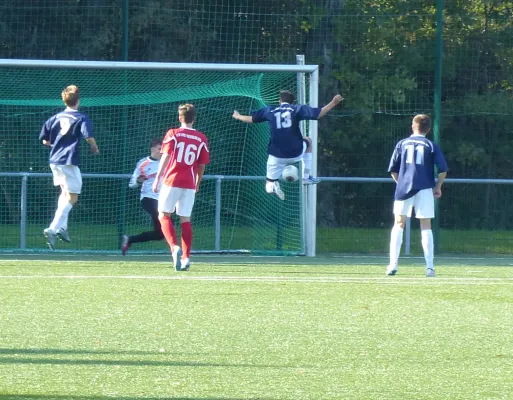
<point>283,120</point>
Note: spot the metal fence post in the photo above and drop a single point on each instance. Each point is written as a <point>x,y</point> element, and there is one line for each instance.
<point>23,210</point>
<point>407,239</point>
<point>219,180</point>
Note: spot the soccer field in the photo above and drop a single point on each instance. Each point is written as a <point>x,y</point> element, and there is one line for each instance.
<point>237,327</point>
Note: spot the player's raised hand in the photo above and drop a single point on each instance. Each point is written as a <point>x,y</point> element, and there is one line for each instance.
<point>337,98</point>
<point>236,114</point>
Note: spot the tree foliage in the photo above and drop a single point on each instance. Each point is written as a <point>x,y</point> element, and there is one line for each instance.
<point>379,53</point>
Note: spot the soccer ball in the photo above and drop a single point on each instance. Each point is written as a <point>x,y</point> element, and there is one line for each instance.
<point>290,173</point>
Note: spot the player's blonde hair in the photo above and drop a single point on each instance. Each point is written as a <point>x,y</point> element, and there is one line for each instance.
<point>187,112</point>
<point>71,95</point>
<point>422,122</point>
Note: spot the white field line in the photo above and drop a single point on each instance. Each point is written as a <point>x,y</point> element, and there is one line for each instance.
<point>282,279</point>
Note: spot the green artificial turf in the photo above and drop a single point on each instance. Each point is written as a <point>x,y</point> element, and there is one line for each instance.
<point>254,328</point>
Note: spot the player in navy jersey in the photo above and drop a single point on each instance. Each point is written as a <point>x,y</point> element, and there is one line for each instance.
<point>287,144</point>
<point>62,133</point>
<point>144,175</point>
<point>412,167</point>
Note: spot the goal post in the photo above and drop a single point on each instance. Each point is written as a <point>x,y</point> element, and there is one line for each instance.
<point>130,103</point>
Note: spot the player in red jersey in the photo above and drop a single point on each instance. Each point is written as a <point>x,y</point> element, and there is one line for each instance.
<point>184,157</point>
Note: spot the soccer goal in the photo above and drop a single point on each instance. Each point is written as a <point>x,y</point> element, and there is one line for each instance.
<point>130,103</point>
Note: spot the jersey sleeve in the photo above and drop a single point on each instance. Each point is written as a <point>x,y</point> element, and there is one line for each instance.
<point>87,128</point>
<point>440,160</point>
<point>45,130</point>
<point>259,115</point>
<point>133,184</point>
<point>167,147</point>
<point>395,160</point>
<point>305,112</point>
<point>204,153</point>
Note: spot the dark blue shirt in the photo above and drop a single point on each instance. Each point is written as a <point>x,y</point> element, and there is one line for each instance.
<point>414,161</point>
<point>64,131</point>
<point>286,138</point>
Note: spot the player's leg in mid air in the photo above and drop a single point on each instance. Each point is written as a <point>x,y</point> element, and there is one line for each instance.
<point>184,210</point>
<point>151,207</point>
<point>402,210</point>
<point>425,211</point>
<point>275,167</point>
<point>308,179</point>
<point>68,177</point>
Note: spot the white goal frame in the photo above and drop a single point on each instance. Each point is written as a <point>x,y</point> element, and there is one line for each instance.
<point>308,206</point>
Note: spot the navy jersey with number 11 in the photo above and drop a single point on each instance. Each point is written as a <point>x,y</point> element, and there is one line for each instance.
<point>414,161</point>
<point>286,138</point>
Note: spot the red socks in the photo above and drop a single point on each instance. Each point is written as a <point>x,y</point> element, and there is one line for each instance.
<point>186,239</point>
<point>168,229</point>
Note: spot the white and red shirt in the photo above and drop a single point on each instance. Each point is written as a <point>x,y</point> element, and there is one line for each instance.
<point>187,149</point>
<point>146,168</point>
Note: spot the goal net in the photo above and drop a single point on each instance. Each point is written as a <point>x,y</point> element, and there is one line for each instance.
<point>130,104</point>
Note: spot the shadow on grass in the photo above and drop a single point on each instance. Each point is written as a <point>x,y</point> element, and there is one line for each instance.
<point>126,363</point>
<point>83,351</point>
<point>44,356</point>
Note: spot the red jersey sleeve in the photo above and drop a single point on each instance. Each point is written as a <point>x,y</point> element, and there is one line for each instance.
<point>204,155</point>
<point>167,147</point>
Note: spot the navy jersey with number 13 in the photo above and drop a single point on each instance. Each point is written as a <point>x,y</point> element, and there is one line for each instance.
<point>414,161</point>
<point>286,138</point>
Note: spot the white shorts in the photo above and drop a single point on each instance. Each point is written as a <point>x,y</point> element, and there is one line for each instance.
<point>68,177</point>
<point>172,197</point>
<point>275,165</point>
<point>423,202</point>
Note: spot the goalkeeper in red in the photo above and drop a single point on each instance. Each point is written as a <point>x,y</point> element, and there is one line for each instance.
<point>287,144</point>
<point>182,165</point>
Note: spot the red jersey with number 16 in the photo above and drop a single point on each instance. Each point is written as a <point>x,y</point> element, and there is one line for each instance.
<point>187,149</point>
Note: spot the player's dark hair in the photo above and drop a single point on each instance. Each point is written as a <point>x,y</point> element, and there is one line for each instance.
<point>286,96</point>
<point>423,121</point>
<point>71,95</point>
<point>188,112</point>
<point>155,142</point>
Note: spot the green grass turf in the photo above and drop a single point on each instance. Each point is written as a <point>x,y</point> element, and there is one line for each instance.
<point>239,327</point>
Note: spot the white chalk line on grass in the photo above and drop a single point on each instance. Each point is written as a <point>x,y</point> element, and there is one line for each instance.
<point>283,279</point>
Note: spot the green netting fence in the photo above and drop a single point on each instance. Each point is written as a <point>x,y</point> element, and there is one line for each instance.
<point>128,109</point>
<point>380,54</point>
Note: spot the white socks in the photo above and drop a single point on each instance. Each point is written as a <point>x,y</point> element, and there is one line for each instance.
<point>307,165</point>
<point>269,186</point>
<point>427,246</point>
<point>396,240</point>
<point>60,220</point>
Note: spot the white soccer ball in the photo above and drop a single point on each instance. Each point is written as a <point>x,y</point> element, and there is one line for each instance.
<point>290,173</point>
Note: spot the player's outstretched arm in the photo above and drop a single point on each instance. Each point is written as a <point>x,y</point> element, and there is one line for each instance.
<point>136,176</point>
<point>199,177</point>
<point>326,109</point>
<point>244,118</point>
<point>164,160</point>
<point>94,146</point>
